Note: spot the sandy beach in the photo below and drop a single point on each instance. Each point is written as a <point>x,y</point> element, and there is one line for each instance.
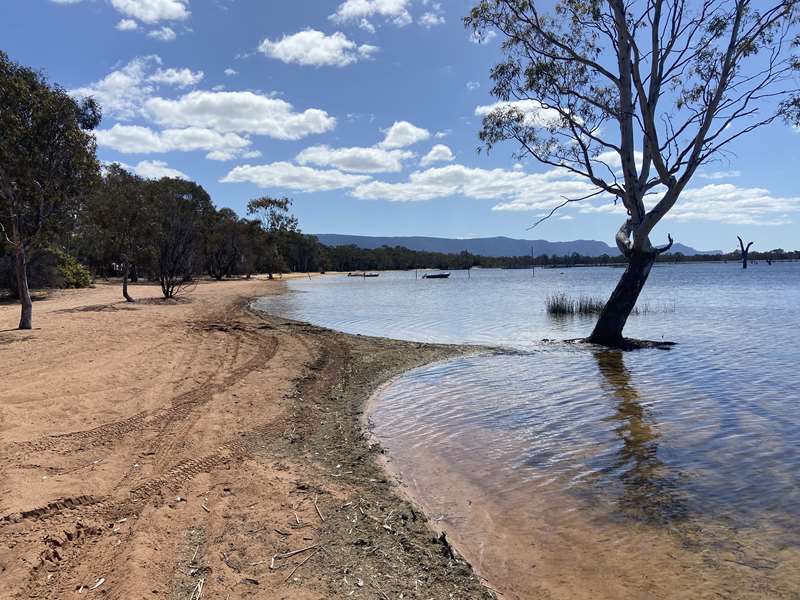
<point>194,448</point>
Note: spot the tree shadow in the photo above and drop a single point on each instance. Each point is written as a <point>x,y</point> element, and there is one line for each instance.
<point>651,491</point>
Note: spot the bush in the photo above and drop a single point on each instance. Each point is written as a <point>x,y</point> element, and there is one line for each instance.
<point>71,273</point>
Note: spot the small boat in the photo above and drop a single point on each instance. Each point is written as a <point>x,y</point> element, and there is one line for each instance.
<point>363,274</point>
<point>436,275</point>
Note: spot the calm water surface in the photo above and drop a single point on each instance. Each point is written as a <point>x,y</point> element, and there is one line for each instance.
<point>575,472</point>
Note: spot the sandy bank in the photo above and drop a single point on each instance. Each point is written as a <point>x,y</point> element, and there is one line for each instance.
<point>157,449</point>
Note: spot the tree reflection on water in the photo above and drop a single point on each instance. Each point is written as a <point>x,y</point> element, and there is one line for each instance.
<point>650,490</point>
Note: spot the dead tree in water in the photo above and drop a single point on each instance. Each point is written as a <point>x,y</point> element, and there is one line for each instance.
<point>745,251</point>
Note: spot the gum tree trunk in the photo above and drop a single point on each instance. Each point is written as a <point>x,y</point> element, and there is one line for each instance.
<point>745,251</point>
<point>126,268</point>
<point>21,263</point>
<point>608,330</point>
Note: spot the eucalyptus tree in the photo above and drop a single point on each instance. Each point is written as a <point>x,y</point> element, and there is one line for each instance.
<point>47,164</point>
<point>182,208</point>
<point>116,223</point>
<point>633,97</point>
<point>278,223</point>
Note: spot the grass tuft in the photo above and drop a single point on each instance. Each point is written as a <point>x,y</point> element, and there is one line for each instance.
<point>561,305</point>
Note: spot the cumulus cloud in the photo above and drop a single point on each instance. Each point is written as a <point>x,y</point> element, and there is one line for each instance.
<point>177,77</point>
<point>473,85</point>
<point>541,191</point>
<point>361,11</point>
<point>154,169</point>
<point>482,38</point>
<point>734,205</point>
<point>431,19</point>
<point>165,34</point>
<point>314,48</point>
<point>153,11</point>
<point>239,112</point>
<point>533,113</point>
<point>285,175</point>
<point>718,174</point>
<point>358,160</point>
<point>134,139</point>
<point>231,72</point>
<point>127,25</point>
<point>402,134</point>
<point>122,92</point>
<point>439,153</point>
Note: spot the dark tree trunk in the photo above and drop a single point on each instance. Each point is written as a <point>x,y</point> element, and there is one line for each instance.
<point>26,313</point>
<point>608,330</point>
<point>745,251</point>
<point>126,268</point>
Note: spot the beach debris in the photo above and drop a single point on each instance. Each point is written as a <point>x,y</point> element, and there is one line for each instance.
<point>198,590</point>
<point>304,561</point>
<point>205,508</point>
<point>100,581</point>
<point>318,511</point>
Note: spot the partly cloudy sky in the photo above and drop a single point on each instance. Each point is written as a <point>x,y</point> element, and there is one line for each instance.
<point>365,112</point>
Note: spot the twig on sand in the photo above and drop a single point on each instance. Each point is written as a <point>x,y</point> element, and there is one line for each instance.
<point>198,590</point>
<point>318,511</point>
<point>205,508</point>
<point>304,561</point>
<point>292,553</point>
<point>382,593</point>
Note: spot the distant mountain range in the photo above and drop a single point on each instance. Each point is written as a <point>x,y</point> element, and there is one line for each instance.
<point>493,246</point>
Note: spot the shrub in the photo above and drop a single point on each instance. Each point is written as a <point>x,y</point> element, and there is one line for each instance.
<point>72,273</point>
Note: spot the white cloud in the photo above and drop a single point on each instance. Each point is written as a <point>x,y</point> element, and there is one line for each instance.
<point>153,11</point>
<point>177,77</point>
<point>165,34</point>
<point>122,92</point>
<point>127,25</point>
<point>442,134</point>
<point>718,174</point>
<point>484,38</point>
<point>439,153</point>
<point>314,48</point>
<point>154,169</point>
<point>239,112</point>
<point>431,19</point>
<point>532,112</point>
<point>288,176</point>
<point>361,11</point>
<point>733,205</point>
<point>358,160</point>
<point>231,72</point>
<point>66,1</point>
<point>524,191</point>
<point>473,85</point>
<point>402,134</point>
<point>133,139</point>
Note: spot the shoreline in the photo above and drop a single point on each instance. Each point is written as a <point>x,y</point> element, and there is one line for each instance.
<point>151,448</point>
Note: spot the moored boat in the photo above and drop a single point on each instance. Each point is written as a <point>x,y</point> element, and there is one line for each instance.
<point>436,275</point>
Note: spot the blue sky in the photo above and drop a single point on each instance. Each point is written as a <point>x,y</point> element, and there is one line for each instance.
<point>365,112</point>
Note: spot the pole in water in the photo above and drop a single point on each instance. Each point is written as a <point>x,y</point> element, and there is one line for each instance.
<point>533,265</point>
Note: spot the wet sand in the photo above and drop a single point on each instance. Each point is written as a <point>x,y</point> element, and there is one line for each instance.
<point>178,449</point>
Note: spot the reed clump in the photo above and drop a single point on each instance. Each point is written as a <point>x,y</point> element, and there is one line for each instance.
<point>561,305</point>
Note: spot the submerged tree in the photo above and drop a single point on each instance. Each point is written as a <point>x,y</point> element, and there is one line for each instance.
<point>745,251</point>
<point>47,163</point>
<point>633,97</point>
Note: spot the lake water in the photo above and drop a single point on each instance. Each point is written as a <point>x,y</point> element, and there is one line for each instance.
<point>565,471</point>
